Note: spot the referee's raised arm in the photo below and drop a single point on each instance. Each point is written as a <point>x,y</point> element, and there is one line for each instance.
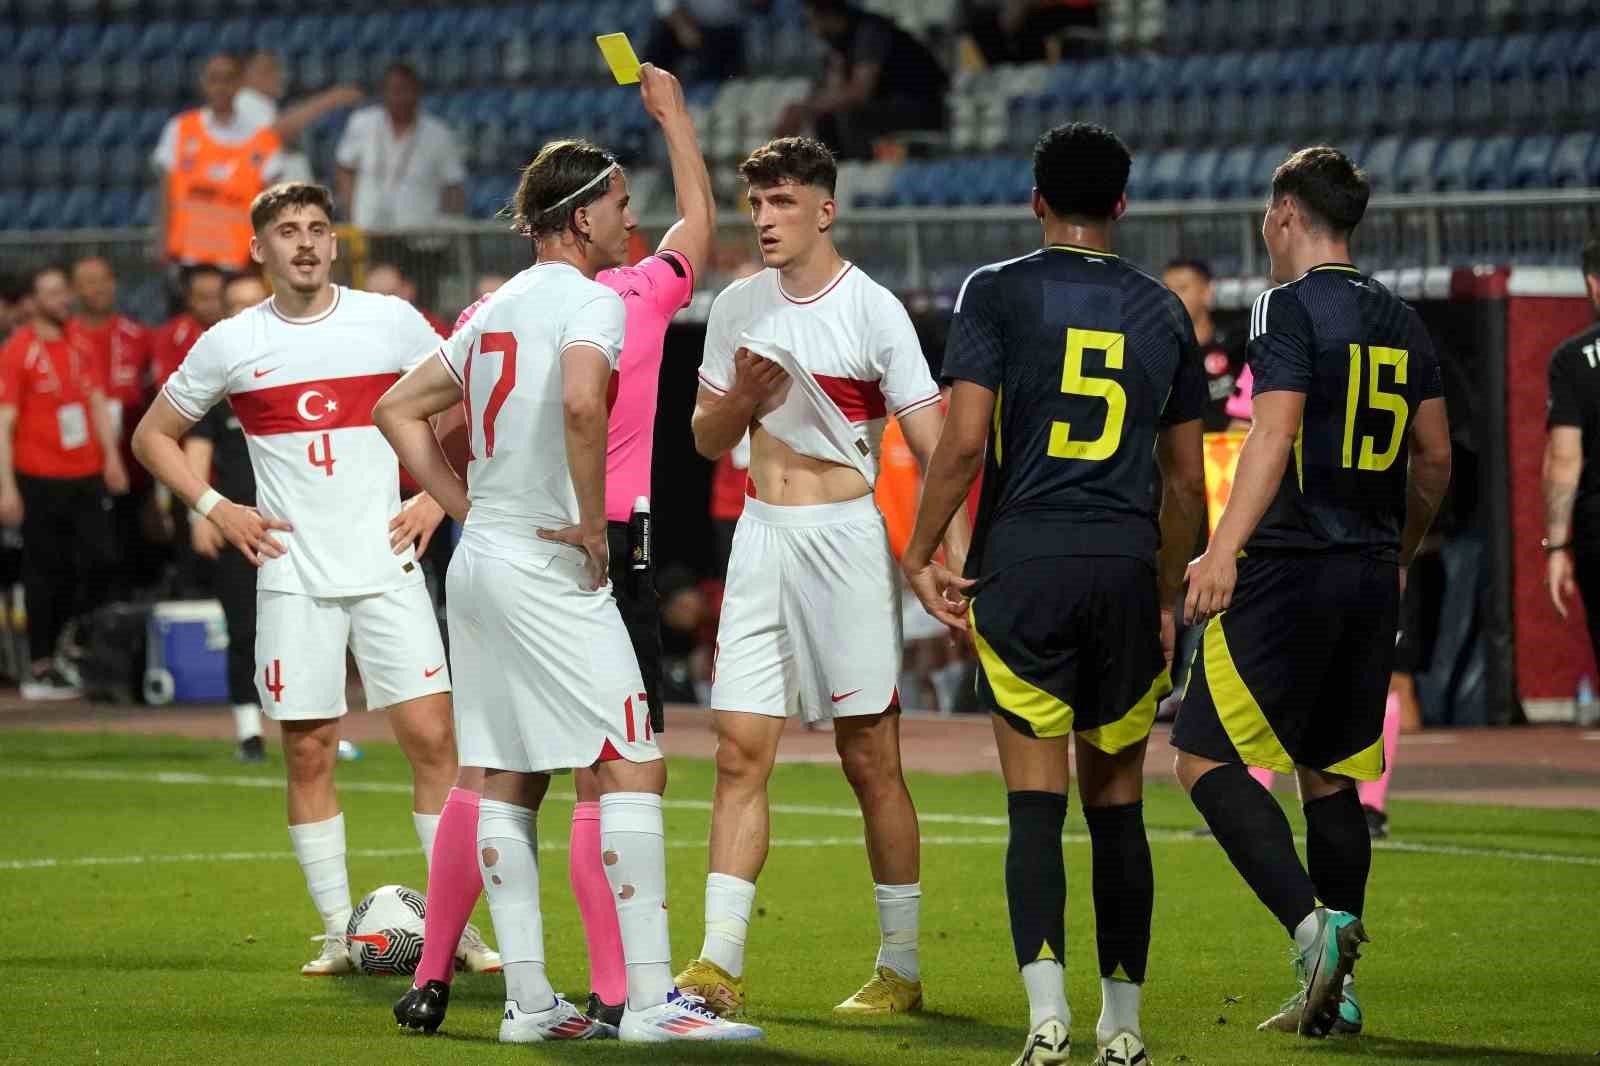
<point>691,235</point>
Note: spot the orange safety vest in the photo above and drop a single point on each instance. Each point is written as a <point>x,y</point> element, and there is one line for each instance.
<point>209,194</point>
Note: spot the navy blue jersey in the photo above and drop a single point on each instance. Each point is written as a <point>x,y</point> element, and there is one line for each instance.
<point>1364,361</point>
<point>1088,358</point>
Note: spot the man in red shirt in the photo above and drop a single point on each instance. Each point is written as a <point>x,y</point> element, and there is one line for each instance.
<point>202,309</point>
<point>58,456</point>
<point>120,348</point>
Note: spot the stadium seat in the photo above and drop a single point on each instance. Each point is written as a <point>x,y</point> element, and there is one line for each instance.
<point>1226,95</point>
<point>77,42</point>
<point>1389,108</point>
<point>1195,182</point>
<point>10,117</point>
<point>157,41</point>
<point>1491,163</point>
<point>12,76</point>
<point>1165,173</point>
<point>116,208</point>
<point>10,208</point>
<point>34,42</point>
<point>1575,162</point>
<point>13,165</point>
<point>1453,165</point>
<point>195,39</point>
<point>1381,161</point>
<point>148,131</point>
<point>1231,179</point>
<point>41,209</point>
<point>1475,82</point>
<point>47,83</point>
<point>127,164</point>
<point>76,126</point>
<point>112,126</point>
<point>87,81</point>
<point>1516,91</point>
<point>79,208</point>
<point>1250,105</point>
<point>1291,89</point>
<point>144,208</point>
<point>36,128</point>
<point>47,165</point>
<point>1267,161</point>
<point>127,79</point>
<point>115,40</point>
<point>1530,166</point>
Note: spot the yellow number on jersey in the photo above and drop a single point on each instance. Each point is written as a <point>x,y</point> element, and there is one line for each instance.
<point>1377,400</point>
<point>1077,383</point>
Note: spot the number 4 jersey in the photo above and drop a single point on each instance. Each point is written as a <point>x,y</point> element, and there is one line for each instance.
<point>1088,359</point>
<point>303,390</point>
<point>1363,360</point>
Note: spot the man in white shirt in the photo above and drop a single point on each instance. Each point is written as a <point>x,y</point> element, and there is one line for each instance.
<point>257,104</point>
<point>302,372</point>
<point>808,357</point>
<point>548,679</point>
<point>397,166</point>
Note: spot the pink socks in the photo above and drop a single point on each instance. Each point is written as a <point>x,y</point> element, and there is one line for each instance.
<point>608,977</point>
<point>1376,793</point>
<point>454,884</point>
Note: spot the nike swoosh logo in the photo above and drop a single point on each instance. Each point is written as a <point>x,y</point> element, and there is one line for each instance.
<point>435,670</point>
<point>377,940</point>
<point>264,373</point>
<point>837,698</point>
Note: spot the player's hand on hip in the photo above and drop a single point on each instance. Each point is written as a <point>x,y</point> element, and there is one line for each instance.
<point>418,518</point>
<point>115,476</point>
<point>250,531</point>
<point>1211,579</point>
<point>1560,580</point>
<point>206,539</point>
<point>661,93</point>
<point>591,540</point>
<point>756,378</point>
<point>940,592</point>
<point>11,508</point>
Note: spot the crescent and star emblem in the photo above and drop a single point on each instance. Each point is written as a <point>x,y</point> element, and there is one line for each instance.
<point>328,406</point>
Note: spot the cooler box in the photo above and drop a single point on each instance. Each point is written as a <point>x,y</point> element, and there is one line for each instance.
<point>187,653</point>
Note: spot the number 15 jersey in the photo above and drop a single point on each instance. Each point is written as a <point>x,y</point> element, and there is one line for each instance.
<point>1364,362</point>
<point>304,390</point>
<point>1088,359</point>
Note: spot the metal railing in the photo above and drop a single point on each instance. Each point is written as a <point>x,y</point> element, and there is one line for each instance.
<point>928,251</point>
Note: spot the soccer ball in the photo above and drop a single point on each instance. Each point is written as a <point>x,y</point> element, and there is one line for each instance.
<point>385,931</point>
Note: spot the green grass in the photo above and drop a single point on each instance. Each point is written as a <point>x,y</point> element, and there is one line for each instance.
<point>1477,958</point>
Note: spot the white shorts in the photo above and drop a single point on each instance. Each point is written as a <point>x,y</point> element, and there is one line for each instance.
<point>811,613</point>
<point>301,641</point>
<point>546,675</point>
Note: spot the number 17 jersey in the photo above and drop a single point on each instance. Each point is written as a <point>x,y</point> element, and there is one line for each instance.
<point>1364,362</point>
<point>304,390</point>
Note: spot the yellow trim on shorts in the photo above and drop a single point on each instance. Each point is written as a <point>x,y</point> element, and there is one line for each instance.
<point>1134,726</point>
<point>1047,715</point>
<point>1242,718</point>
<point>1364,765</point>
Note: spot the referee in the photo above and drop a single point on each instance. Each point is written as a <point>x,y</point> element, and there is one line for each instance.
<point>1571,468</point>
<point>217,452</point>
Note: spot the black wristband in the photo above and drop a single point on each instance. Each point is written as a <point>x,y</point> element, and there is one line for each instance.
<point>1551,549</point>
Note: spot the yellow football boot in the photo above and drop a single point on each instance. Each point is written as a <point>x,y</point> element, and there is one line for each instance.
<point>886,993</point>
<point>723,992</point>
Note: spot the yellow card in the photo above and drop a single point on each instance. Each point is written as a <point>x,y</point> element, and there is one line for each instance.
<point>619,57</point>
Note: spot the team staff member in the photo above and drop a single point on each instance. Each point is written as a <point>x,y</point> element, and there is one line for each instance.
<point>212,162</point>
<point>1223,360</point>
<point>1572,464</point>
<point>202,309</point>
<point>218,454</point>
<point>58,458</point>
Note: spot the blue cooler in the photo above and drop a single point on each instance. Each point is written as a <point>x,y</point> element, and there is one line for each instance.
<point>187,654</point>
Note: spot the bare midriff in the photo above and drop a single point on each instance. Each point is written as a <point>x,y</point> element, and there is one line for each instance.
<point>785,478</point>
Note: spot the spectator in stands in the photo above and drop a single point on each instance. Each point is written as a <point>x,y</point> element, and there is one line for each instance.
<point>202,309</point>
<point>1030,31</point>
<point>120,348</point>
<point>257,104</point>
<point>880,80</point>
<point>398,166</point>
<point>58,459</point>
<point>390,280</point>
<point>1190,280</point>
<point>217,452</point>
<point>703,40</point>
<point>212,162</point>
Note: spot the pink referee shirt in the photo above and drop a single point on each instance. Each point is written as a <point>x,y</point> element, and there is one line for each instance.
<point>653,290</point>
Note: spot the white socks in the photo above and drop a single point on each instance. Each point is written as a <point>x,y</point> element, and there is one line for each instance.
<point>898,907</point>
<point>246,720</point>
<point>1047,994</point>
<point>427,826</point>
<point>728,903</point>
<point>319,847</point>
<point>633,851</point>
<point>1119,1009</point>
<point>506,857</point>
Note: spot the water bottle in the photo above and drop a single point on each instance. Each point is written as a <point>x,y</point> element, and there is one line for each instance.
<point>639,545</point>
<point>1588,708</point>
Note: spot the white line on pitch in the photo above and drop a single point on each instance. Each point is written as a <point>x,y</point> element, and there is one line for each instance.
<point>1158,835</point>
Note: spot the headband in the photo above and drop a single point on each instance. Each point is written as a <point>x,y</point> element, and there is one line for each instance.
<point>591,183</point>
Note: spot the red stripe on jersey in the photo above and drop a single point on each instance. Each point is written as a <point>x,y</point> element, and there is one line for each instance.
<point>311,406</point>
<point>859,400</point>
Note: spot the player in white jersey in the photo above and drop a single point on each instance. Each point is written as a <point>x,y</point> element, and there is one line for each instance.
<point>809,356</point>
<point>547,679</point>
<point>302,371</point>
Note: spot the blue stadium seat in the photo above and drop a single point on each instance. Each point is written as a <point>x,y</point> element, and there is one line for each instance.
<point>1576,161</point>
<point>13,165</point>
<point>127,164</point>
<point>1325,82</point>
<point>1231,179</point>
<point>157,41</point>
<point>1360,100</point>
<point>12,77</point>
<point>1475,82</point>
<point>113,126</point>
<point>271,32</point>
<point>47,165</point>
<point>151,122</point>
<point>76,126</point>
<point>116,208</point>
<point>236,35</point>
<point>1165,173</point>
<point>1256,109</point>
<point>79,208</point>
<point>87,81</point>
<point>144,208</point>
<point>1549,91</point>
<point>1452,168</point>
<point>341,31</point>
<point>10,118</point>
<point>1196,181</point>
<point>1517,91</point>
<point>116,39</point>
<point>47,84</point>
<point>1397,77</point>
<point>1530,166</point>
<point>1291,88</point>
<point>77,42</point>
<point>305,32</point>
<point>10,208</point>
<point>127,79</point>
<point>37,128</point>
<point>41,209</point>
<point>1227,101</point>
<point>1266,162</point>
<point>195,39</point>
<point>34,42</point>
<point>1381,161</point>
<point>1491,163</point>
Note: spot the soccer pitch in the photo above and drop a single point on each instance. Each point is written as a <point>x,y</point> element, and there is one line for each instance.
<point>154,914</point>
